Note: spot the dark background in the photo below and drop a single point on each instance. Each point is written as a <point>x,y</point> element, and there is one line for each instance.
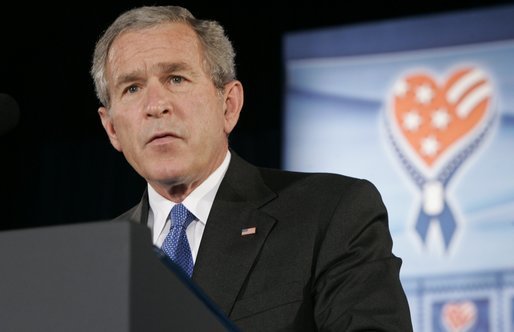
<point>57,165</point>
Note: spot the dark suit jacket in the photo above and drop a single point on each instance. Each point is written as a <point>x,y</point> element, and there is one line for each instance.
<point>320,259</point>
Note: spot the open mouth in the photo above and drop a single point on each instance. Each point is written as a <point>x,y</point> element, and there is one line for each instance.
<point>162,138</point>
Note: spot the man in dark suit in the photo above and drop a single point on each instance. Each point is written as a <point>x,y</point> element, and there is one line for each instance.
<point>275,250</point>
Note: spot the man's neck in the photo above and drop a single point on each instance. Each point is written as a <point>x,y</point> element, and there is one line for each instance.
<point>178,191</point>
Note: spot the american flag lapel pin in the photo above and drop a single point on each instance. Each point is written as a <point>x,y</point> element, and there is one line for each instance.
<point>248,231</point>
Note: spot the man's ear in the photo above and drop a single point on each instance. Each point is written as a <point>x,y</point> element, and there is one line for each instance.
<point>234,98</point>
<point>109,127</point>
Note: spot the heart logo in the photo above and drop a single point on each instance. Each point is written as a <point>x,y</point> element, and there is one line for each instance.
<point>459,316</point>
<point>434,119</point>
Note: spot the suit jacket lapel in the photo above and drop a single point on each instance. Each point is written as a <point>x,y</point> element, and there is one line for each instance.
<point>226,256</point>
<point>139,213</point>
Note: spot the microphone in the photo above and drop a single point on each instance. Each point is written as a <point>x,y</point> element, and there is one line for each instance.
<point>9,113</point>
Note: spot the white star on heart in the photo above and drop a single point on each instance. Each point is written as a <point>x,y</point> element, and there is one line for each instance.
<point>424,94</point>
<point>440,118</point>
<point>412,121</point>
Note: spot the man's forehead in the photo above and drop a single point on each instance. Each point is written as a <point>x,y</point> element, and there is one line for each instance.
<point>165,49</point>
<point>177,37</point>
<point>168,32</point>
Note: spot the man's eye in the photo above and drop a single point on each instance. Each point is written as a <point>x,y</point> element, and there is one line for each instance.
<point>176,79</point>
<point>132,89</point>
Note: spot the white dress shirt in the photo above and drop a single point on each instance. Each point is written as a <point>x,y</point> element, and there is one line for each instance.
<point>199,203</point>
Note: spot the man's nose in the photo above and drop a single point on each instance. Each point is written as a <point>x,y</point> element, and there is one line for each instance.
<point>157,101</point>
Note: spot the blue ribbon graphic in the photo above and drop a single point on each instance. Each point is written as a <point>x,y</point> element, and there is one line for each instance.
<point>445,217</point>
<point>446,222</point>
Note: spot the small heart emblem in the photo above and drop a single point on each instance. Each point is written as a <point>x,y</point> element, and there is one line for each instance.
<point>459,316</point>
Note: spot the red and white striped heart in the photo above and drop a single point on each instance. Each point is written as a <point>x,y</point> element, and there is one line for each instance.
<point>459,316</point>
<point>433,117</point>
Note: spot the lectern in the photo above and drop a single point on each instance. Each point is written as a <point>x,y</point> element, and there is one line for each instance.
<point>96,276</point>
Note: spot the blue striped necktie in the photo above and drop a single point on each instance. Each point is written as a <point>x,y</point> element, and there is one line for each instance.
<point>176,245</point>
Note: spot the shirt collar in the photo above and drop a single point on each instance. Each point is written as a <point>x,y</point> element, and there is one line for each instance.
<point>198,202</point>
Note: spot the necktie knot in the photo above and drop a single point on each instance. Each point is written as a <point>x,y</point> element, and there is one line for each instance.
<point>180,216</point>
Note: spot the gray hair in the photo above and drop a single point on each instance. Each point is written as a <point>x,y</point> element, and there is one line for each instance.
<point>217,49</point>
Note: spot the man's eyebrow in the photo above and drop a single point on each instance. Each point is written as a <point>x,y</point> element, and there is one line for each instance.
<point>126,78</point>
<point>173,67</point>
<point>161,67</point>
